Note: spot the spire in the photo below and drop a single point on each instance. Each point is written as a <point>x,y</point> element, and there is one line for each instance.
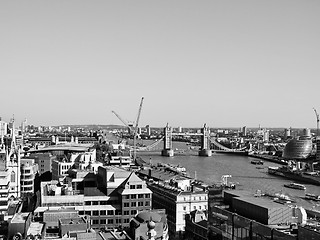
<point>13,137</point>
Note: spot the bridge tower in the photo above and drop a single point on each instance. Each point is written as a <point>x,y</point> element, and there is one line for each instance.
<point>205,150</point>
<point>167,146</point>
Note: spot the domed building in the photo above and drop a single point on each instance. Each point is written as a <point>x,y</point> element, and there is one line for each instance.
<point>298,149</point>
<point>149,225</point>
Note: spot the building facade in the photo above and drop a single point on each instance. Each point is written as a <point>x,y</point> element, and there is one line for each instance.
<point>111,197</point>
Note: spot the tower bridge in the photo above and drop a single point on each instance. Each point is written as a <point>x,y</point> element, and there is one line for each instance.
<point>205,141</point>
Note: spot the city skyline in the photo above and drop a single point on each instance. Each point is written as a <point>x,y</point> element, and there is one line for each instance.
<point>226,64</point>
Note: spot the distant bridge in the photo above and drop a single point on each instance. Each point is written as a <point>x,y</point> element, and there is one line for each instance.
<point>224,149</point>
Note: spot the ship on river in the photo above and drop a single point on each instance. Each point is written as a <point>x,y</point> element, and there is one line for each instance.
<point>301,176</point>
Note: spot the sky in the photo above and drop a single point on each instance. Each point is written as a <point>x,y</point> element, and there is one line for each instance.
<point>223,63</point>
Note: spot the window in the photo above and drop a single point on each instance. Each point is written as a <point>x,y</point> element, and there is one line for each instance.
<point>140,204</point>
<point>147,203</point>
<point>125,212</point>
<point>126,220</point>
<point>95,203</point>
<point>200,207</point>
<point>103,212</point>
<point>110,221</point>
<point>133,196</point>
<point>194,207</point>
<point>95,213</point>
<point>126,196</point>
<point>184,208</point>
<point>118,220</point>
<point>103,203</point>
<point>13,176</point>
<point>132,186</point>
<point>87,212</point>
<point>126,204</point>
<point>147,195</point>
<point>102,221</point>
<point>110,212</point>
<point>133,212</point>
<point>133,204</point>
<point>140,195</point>
<point>118,212</point>
<point>87,203</point>
<point>139,186</point>
<point>95,221</point>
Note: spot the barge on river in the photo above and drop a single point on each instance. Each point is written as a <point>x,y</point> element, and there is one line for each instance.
<point>301,176</point>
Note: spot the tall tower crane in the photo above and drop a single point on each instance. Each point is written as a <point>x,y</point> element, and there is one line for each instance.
<point>317,116</point>
<point>133,129</point>
<point>136,131</point>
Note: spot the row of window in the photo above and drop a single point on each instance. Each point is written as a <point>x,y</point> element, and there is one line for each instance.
<point>195,198</point>
<point>101,212</point>
<point>109,202</point>
<point>24,189</point>
<point>109,221</point>
<point>26,183</point>
<point>134,204</point>
<point>107,213</point>
<point>27,177</point>
<point>135,196</point>
<point>132,212</point>
<point>139,186</point>
<point>195,207</point>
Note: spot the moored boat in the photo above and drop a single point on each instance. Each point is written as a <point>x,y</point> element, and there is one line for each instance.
<point>311,196</point>
<point>296,186</point>
<point>257,162</point>
<point>301,176</point>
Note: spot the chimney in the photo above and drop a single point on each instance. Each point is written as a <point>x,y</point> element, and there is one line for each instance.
<point>149,173</point>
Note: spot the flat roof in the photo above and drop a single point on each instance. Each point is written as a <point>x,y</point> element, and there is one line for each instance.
<point>78,220</point>
<point>35,228</point>
<point>260,201</point>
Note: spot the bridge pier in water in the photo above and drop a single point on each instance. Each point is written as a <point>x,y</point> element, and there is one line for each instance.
<point>167,143</point>
<point>205,150</point>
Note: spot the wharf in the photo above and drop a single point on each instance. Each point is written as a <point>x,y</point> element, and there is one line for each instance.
<point>269,158</point>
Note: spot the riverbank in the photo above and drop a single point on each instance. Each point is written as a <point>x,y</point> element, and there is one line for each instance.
<point>269,158</point>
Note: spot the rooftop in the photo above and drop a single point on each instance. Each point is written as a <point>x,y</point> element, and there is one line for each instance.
<point>20,217</point>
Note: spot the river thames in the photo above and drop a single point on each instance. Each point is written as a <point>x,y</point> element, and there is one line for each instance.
<point>247,176</point>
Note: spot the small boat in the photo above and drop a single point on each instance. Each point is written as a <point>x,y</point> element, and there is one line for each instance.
<point>296,186</point>
<point>311,196</point>
<point>257,162</point>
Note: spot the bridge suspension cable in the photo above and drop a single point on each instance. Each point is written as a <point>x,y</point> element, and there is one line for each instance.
<point>149,147</point>
<point>220,146</point>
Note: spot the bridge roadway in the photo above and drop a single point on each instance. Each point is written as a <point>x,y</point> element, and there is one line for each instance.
<point>186,134</point>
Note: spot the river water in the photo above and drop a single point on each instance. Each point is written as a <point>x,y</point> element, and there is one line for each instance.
<point>247,176</point>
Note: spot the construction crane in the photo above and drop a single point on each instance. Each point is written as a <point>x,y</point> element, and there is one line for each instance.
<point>123,121</point>
<point>317,116</point>
<point>136,131</point>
